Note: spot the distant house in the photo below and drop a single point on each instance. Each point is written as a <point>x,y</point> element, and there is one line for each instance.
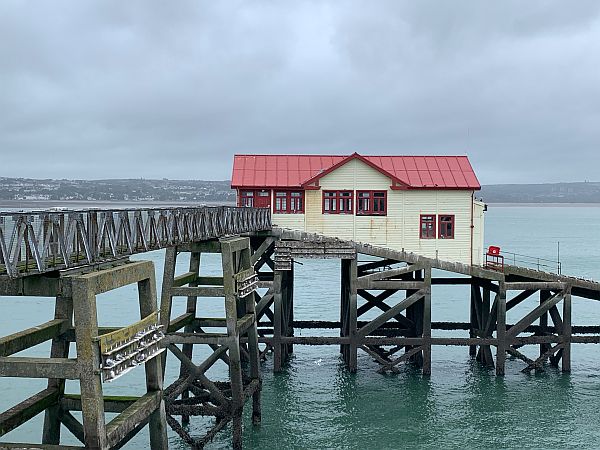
<point>423,204</point>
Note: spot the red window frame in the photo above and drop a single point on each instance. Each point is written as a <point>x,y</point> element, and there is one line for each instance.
<point>427,226</point>
<point>337,202</point>
<point>288,202</point>
<point>446,226</point>
<point>371,203</point>
<point>254,198</point>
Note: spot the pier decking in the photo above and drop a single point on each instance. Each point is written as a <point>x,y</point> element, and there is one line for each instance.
<point>74,256</point>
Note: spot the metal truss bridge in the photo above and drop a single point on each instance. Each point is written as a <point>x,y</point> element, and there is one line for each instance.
<point>44,241</point>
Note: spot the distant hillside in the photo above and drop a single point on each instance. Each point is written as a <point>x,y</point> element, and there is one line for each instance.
<point>219,191</point>
<point>587,192</point>
<point>116,190</point>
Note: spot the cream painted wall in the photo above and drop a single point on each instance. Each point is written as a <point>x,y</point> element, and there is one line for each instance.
<point>400,228</point>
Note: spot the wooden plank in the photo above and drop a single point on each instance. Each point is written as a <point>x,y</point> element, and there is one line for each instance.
<point>22,367</point>
<point>115,277</point>
<point>179,322</point>
<point>244,323</point>
<point>183,279</point>
<point>195,338</point>
<point>261,250</point>
<point>118,428</point>
<point>400,285</point>
<point>534,286</point>
<point>389,273</point>
<point>25,339</point>
<point>566,332</point>
<point>380,320</point>
<point>22,446</point>
<point>26,410</point>
<point>199,291</point>
<point>209,281</point>
<point>73,425</point>
<point>533,315</point>
<point>518,299</point>
<point>211,322</point>
<point>112,403</point>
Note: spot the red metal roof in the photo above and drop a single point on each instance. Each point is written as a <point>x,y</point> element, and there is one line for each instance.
<point>295,171</point>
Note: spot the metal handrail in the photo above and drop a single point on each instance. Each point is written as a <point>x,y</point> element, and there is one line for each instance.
<point>531,262</point>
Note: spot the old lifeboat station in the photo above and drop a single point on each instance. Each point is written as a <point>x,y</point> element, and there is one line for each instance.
<point>420,204</point>
<point>403,229</point>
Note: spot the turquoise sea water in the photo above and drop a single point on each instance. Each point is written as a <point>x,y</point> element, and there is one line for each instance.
<point>316,403</point>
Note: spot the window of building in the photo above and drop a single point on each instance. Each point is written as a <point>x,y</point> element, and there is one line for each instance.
<point>289,202</point>
<point>255,198</point>
<point>446,227</point>
<point>371,203</point>
<point>247,198</point>
<point>427,226</point>
<point>337,202</point>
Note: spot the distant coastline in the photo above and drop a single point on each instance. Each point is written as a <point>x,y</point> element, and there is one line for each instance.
<point>30,193</point>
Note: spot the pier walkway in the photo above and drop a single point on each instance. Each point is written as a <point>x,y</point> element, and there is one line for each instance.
<point>72,256</point>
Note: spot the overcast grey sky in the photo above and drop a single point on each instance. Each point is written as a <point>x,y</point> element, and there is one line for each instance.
<point>111,89</point>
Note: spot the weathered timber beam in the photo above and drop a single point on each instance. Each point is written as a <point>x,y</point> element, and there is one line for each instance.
<point>209,246</point>
<point>21,413</point>
<point>517,354</point>
<point>209,281</point>
<point>183,279</point>
<point>31,286</point>
<point>21,446</point>
<point>196,338</point>
<point>522,324</point>
<point>534,285</point>
<point>118,428</point>
<point>585,339</point>
<point>492,317</point>
<point>235,243</point>
<point>519,299</point>
<point>211,322</point>
<point>264,302</point>
<point>262,248</point>
<point>411,341</point>
<point>122,275</point>
<point>374,354</point>
<point>22,340</point>
<point>413,258</point>
<point>63,368</point>
<point>73,425</point>
<point>399,285</point>
<point>366,267</point>
<point>244,323</point>
<point>380,275</point>
<point>112,403</point>
<point>381,319</point>
<point>556,319</point>
<point>69,334</point>
<point>404,357</point>
<point>199,291</point>
<point>537,364</point>
<point>179,322</point>
<point>198,371</point>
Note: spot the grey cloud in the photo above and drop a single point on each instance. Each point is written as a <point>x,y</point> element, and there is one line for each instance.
<point>105,89</point>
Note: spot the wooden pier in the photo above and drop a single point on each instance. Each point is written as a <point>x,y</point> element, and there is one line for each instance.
<point>257,288</point>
